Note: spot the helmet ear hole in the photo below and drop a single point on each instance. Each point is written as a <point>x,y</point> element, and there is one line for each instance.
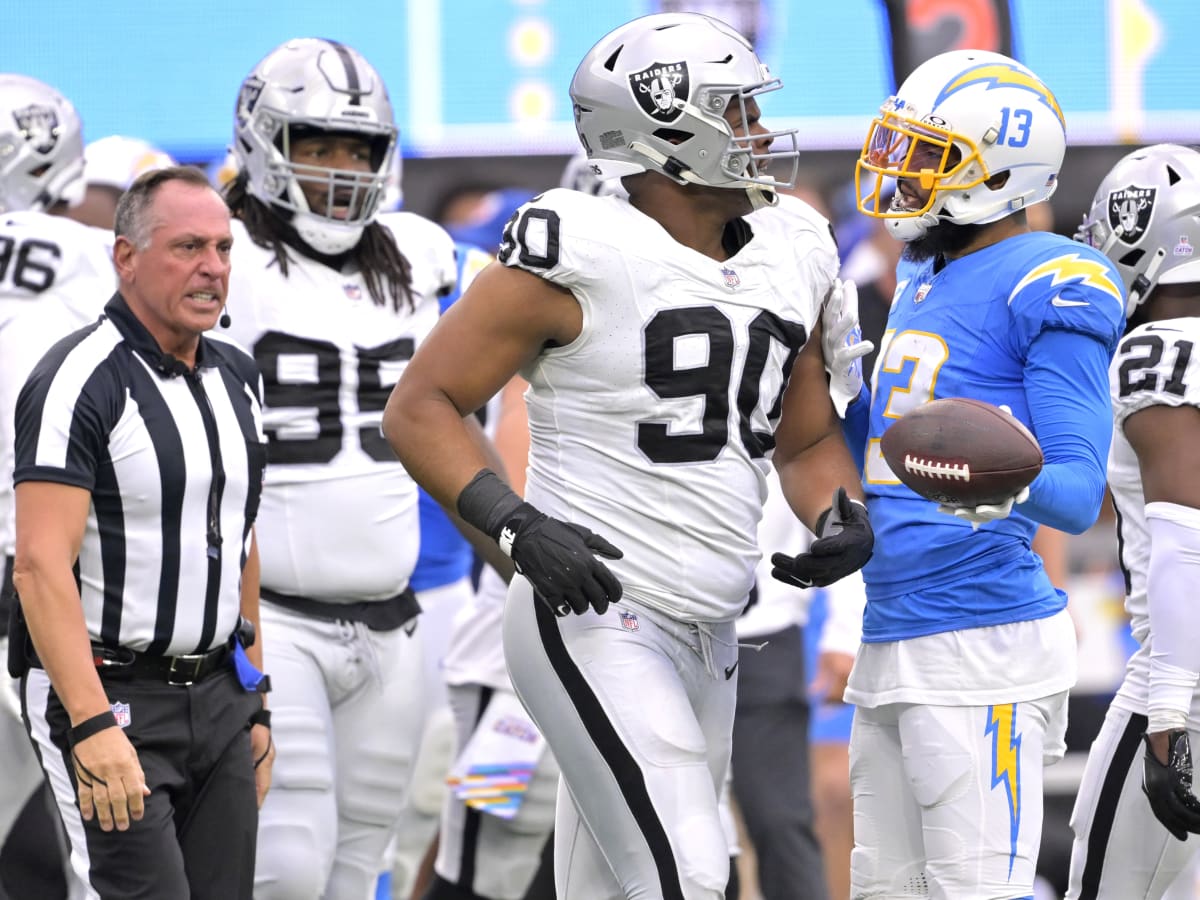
<point>997,181</point>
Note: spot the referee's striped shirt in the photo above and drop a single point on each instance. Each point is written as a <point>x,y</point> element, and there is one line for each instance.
<point>174,463</point>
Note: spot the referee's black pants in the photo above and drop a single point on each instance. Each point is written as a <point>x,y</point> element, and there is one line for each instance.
<point>197,837</point>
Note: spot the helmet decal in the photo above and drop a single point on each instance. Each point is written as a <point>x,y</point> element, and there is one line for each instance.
<point>1130,209</point>
<point>657,88</point>
<point>1001,75</point>
<point>39,124</point>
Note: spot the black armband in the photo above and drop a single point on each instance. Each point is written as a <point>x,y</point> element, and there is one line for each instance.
<point>261,717</point>
<point>94,725</point>
<point>488,503</point>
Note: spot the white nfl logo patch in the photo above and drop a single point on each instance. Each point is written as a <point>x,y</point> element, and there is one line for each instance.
<point>629,621</point>
<point>121,711</point>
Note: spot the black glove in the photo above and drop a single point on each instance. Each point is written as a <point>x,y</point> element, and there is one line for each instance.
<point>559,558</point>
<point>843,545</point>
<point>1169,787</point>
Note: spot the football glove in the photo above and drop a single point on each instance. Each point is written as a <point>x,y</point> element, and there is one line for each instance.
<point>987,512</point>
<point>1169,786</point>
<point>558,558</point>
<point>844,543</point>
<point>842,344</point>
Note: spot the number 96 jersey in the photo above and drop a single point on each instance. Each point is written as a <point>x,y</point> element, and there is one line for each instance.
<point>655,426</point>
<point>338,520</point>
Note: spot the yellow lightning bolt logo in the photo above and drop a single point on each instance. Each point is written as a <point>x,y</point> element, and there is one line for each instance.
<point>1001,75</point>
<point>1006,767</point>
<point>1071,268</point>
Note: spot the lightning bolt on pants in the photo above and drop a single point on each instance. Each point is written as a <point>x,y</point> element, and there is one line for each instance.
<point>948,799</point>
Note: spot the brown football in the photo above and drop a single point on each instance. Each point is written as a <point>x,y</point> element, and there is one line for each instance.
<point>962,452</point>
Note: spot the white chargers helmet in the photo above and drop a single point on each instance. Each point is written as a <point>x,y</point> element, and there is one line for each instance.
<point>41,146</point>
<point>1145,217</point>
<point>977,116</point>
<point>304,86</point>
<point>651,96</point>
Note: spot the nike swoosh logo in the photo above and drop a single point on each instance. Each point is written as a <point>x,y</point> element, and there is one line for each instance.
<point>1160,328</point>
<point>729,670</point>
<point>1059,301</point>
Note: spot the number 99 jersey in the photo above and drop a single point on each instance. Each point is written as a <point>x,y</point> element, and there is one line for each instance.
<point>338,520</point>
<point>656,425</point>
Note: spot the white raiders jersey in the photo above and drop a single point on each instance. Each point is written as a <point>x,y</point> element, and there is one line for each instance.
<point>655,427</point>
<point>55,277</point>
<point>338,520</point>
<point>1156,364</point>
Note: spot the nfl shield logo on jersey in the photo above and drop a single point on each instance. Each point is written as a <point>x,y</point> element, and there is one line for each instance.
<point>121,711</point>
<point>353,291</point>
<point>732,279</point>
<point>1129,209</point>
<point>922,293</point>
<point>629,621</point>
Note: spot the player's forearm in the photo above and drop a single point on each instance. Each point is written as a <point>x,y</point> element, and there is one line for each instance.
<point>809,478</point>
<point>1173,572</point>
<point>54,616</point>
<point>1066,385</point>
<point>430,438</point>
<point>855,426</point>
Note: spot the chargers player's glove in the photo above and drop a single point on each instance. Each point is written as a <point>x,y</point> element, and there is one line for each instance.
<point>987,512</point>
<point>1169,786</point>
<point>559,558</point>
<point>844,543</point>
<point>842,344</point>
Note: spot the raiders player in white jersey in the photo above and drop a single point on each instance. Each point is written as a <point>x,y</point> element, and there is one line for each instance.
<point>331,298</point>
<point>658,336</point>
<point>1146,217</point>
<point>55,276</point>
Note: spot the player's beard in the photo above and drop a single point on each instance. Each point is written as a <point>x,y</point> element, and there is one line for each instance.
<point>943,239</point>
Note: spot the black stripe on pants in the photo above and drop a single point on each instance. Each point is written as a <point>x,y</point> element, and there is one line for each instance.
<point>620,761</point>
<point>1106,805</point>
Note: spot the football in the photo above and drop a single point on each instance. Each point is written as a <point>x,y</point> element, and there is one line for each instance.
<point>962,452</point>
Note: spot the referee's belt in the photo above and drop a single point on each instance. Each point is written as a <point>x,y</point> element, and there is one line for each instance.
<point>183,670</point>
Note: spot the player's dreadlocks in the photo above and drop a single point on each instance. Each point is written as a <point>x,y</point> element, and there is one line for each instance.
<point>382,263</point>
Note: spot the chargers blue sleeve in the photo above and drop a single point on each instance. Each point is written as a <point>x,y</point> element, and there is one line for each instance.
<point>1066,385</point>
<point>855,426</point>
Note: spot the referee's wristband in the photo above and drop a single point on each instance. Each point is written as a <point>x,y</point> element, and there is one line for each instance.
<point>261,717</point>
<point>89,727</point>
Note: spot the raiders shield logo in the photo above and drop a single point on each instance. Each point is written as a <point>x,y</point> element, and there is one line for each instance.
<point>248,97</point>
<point>39,125</point>
<point>658,86</point>
<point>1130,209</point>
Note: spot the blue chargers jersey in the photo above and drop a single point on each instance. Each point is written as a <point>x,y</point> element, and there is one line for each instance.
<point>446,556</point>
<point>966,331</point>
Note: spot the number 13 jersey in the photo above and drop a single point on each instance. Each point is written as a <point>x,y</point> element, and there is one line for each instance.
<point>338,520</point>
<point>655,426</point>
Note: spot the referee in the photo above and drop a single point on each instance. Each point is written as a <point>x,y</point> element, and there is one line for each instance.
<point>139,463</point>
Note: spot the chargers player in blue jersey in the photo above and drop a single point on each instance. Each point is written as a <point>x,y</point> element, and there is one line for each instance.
<point>968,653</point>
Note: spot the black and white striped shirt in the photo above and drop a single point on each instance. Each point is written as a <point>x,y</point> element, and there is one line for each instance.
<point>174,462</point>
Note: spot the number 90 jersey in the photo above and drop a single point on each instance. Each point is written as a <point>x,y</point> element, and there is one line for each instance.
<point>654,427</point>
<point>1156,364</point>
<point>338,520</point>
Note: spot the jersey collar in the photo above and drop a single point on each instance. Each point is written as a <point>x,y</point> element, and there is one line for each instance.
<point>142,341</point>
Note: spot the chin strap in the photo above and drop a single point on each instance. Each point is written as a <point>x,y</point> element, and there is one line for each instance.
<point>760,195</point>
